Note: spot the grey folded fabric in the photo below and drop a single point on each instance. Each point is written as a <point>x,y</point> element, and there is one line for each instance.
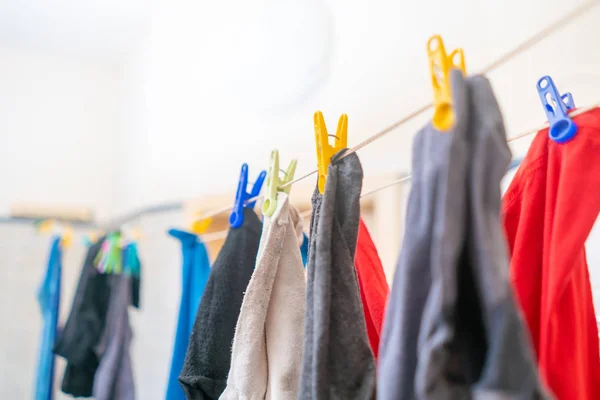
<point>208,356</point>
<point>114,377</point>
<point>338,362</point>
<point>452,329</point>
<point>267,347</point>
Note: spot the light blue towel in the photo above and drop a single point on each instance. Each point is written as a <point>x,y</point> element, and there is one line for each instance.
<point>49,299</point>
<point>196,268</point>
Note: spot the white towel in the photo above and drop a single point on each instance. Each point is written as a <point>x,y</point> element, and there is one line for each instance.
<point>267,347</point>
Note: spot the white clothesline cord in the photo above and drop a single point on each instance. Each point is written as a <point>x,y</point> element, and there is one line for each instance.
<point>522,47</point>
<point>222,234</point>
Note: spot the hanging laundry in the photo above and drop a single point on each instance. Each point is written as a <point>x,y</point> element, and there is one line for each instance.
<point>194,274</point>
<point>114,376</point>
<point>49,299</point>
<point>267,347</point>
<point>304,249</point>
<point>373,285</point>
<point>208,357</point>
<point>133,269</point>
<point>452,329</point>
<point>338,361</point>
<point>549,210</point>
<point>84,327</point>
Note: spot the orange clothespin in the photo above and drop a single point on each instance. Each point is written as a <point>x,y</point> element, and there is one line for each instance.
<point>440,65</point>
<point>324,150</point>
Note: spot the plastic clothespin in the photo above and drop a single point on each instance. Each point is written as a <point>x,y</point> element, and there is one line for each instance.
<point>562,128</point>
<point>242,196</point>
<point>66,237</point>
<point>45,226</point>
<point>65,232</point>
<point>91,237</point>
<point>200,226</point>
<point>274,182</point>
<point>324,150</point>
<point>440,65</point>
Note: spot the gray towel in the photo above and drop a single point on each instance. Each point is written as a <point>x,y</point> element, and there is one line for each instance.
<point>338,362</point>
<point>208,356</point>
<point>114,377</point>
<point>267,347</point>
<point>452,330</point>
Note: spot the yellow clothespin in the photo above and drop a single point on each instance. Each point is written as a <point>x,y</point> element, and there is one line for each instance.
<point>274,182</point>
<point>94,235</point>
<point>324,150</point>
<point>130,234</point>
<point>64,231</point>
<point>136,234</point>
<point>200,226</point>
<point>45,226</point>
<point>440,65</point>
<point>66,237</point>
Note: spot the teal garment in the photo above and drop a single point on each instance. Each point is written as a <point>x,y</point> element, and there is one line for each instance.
<point>304,250</point>
<point>49,300</point>
<point>195,271</point>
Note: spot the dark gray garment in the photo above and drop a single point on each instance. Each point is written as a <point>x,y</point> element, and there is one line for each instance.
<point>433,173</point>
<point>208,356</point>
<point>338,362</point>
<point>114,377</point>
<point>484,351</point>
<point>452,329</point>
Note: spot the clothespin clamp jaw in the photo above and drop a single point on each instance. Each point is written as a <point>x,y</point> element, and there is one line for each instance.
<point>274,183</point>
<point>91,237</point>
<point>440,65</point>
<point>562,128</point>
<point>65,232</point>
<point>200,226</point>
<point>66,237</point>
<point>324,150</point>
<point>242,196</point>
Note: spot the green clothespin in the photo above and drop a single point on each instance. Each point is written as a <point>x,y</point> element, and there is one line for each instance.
<point>274,182</point>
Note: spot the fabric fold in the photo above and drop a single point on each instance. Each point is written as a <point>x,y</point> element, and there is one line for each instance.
<point>549,210</point>
<point>452,328</point>
<point>267,347</point>
<point>49,300</point>
<point>194,274</point>
<point>374,288</point>
<point>208,356</point>
<point>114,377</point>
<point>84,328</point>
<point>338,362</point>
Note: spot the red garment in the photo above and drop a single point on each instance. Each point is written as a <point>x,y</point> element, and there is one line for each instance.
<point>549,210</point>
<point>373,285</point>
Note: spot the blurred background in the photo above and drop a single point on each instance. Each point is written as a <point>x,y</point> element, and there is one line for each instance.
<point>113,107</point>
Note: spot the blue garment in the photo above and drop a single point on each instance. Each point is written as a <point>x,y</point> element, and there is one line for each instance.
<point>49,299</point>
<point>304,250</point>
<point>196,268</point>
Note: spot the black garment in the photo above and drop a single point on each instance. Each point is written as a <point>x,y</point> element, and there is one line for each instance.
<point>208,357</point>
<point>84,328</point>
<point>135,290</point>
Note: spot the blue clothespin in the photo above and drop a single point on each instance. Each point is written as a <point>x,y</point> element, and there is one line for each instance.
<point>241,197</point>
<point>562,128</point>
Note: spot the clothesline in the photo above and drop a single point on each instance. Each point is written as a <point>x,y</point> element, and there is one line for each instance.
<point>523,46</point>
<point>573,113</point>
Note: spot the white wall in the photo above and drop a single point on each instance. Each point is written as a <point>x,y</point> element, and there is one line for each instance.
<point>207,85</point>
<point>59,124</point>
